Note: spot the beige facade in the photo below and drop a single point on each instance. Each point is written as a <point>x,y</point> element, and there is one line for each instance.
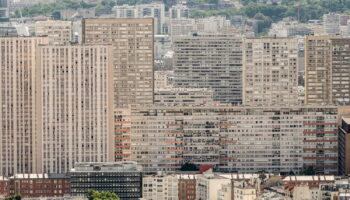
<point>74,101</point>
<point>163,79</point>
<point>317,69</point>
<point>242,139</point>
<point>208,185</point>
<point>340,71</point>
<point>132,41</point>
<point>59,32</point>
<point>160,187</point>
<point>238,190</point>
<point>327,70</point>
<point>270,71</point>
<point>17,97</point>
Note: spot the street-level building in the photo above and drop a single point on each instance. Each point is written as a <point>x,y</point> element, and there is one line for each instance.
<point>121,178</point>
<point>39,185</point>
<point>160,186</point>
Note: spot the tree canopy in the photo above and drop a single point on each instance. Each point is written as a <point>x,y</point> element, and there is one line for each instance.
<point>265,14</point>
<point>95,195</point>
<point>189,167</point>
<point>49,9</point>
<point>15,197</point>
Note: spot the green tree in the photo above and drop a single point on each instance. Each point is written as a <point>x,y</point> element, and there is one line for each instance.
<point>309,171</point>
<point>15,197</point>
<point>264,22</point>
<point>189,167</point>
<point>96,195</point>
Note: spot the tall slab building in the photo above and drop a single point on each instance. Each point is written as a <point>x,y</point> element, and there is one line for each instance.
<point>327,70</point>
<point>74,101</point>
<point>17,100</point>
<point>210,61</point>
<point>270,71</point>
<point>133,56</point>
<point>243,139</point>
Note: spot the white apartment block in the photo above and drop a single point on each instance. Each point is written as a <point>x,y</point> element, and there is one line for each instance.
<point>212,24</point>
<point>17,100</point>
<point>331,23</point>
<point>59,32</point>
<point>241,190</point>
<point>208,25</point>
<point>179,11</point>
<point>232,139</point>
<point>182,27</point>
<point>210,61</point>
<point>74,101</point>
<point>209,184</point>
<point>152,10</point>
<point>270,71</point>
<point>160,187</point>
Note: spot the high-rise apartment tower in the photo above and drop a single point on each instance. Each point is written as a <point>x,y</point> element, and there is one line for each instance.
<point>132,41</point>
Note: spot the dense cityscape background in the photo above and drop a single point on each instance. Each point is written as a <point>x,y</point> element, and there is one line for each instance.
<point>176,100</point>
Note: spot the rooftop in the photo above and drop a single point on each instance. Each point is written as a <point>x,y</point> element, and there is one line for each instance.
<point>309,178</point>
<point>107,167</point>
<point>39,176</point>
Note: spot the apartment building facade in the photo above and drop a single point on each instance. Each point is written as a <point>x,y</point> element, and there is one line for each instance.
<point>270,71</point>
<point>17,100</point>
<point>154,10</point>
<point>74,101</point>
<point>331,24</point>
<point>232,139</point>
<point>340,71</point>
<point>133,56</point>
<point>59,32</point>
<point>327,70</point>
<point>160,186</point>
<point>210,61</point>
<point>344,145</point>
<point>183,96</point>
<point>39,185</point>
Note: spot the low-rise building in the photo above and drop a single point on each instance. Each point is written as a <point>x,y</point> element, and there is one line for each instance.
<point>159,187</point>
<point>338,189</point>
<point>4,186</point>
<point>39,185</point>
<point>187,186</point>
<point>121,178</point>
<point>238,190</point>
<point>209,184</point>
